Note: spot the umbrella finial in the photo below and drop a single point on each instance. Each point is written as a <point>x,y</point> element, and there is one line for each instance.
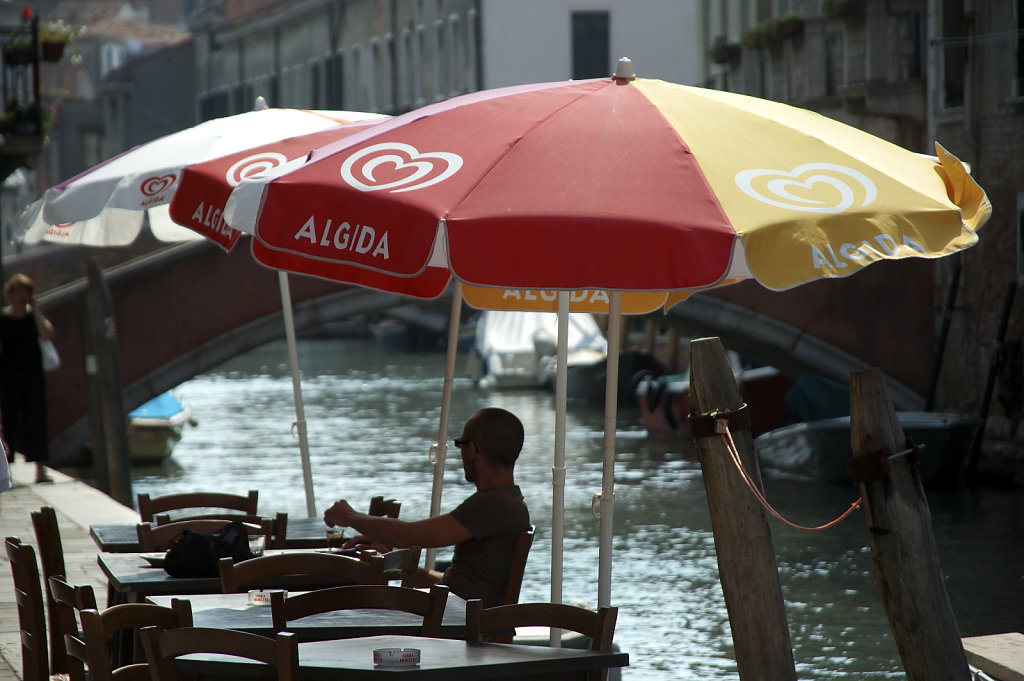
<point>624,70</point>
<point>260,104</point>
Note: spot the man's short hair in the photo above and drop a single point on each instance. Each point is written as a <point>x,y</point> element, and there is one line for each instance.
<point>498,434</point>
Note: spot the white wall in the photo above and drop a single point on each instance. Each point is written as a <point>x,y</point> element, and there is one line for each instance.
<point>529,41</point>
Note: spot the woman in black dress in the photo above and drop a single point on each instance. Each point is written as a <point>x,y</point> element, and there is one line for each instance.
<point>23,406</point>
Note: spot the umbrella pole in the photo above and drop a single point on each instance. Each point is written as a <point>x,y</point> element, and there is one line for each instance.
<point>607,496</point>
<point>558,468</point>
<point>300,414</point>
<point>441,448</point>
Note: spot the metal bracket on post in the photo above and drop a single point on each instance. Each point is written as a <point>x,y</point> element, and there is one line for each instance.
<point>705,425</point>
<point>876,464</point>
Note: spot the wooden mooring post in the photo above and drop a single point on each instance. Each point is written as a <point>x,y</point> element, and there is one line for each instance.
<point>103,373</point>
<point>903,554</point>
<point>743,542</point>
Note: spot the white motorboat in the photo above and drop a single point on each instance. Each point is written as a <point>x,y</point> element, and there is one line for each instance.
<point>517,349</point>
<point>156,426</point>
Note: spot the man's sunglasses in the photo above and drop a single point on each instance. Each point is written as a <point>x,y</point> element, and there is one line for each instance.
<point>462,442</point>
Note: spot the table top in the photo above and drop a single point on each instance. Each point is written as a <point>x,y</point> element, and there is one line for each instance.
<point>440,660</point>
<point>133,578</point>
<point>232,611</point>
<point>302,533</point>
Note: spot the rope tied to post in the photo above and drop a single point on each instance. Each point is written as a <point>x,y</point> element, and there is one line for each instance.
<point>719,422</point>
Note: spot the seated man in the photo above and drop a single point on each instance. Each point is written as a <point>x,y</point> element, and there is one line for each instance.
<point>483,528</point>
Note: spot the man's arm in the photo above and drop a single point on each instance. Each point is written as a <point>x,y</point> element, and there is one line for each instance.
<point>443,530</point>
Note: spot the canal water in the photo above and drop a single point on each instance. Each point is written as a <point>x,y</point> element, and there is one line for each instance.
<point>372,415</point>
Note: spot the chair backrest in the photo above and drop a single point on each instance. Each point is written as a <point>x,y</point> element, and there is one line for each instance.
<point>160,538</point>
<point>428,604</point>
<point>598,626</point>
<point>68,601</point>
<point>403,562</point>
<point>150,506</point>
<point>51,562</point>
<point>379,506</point>
<point>279,524</point>
<point>29,598</point>
<point>281,652</point>
<point>99,629</point>
<point>279,570</point>
<point>518,569</point>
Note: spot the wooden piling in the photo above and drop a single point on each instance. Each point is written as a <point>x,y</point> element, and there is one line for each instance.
<point>103,341</point>
<point>743,542</point>
<point>903,554</point>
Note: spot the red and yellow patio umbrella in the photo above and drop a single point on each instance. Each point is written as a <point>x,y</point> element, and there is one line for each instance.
<point>615,184</point>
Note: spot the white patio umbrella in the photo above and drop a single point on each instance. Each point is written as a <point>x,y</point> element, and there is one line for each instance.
<point>106,204</point>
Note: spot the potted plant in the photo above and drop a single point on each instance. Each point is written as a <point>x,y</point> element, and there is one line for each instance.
<point>54,37</point>
<point>18,51</point>
<point>842,7</point>
<point>25,119</point>
<point>723,52</point>
<point>791,25</point>
<point>761,35</point>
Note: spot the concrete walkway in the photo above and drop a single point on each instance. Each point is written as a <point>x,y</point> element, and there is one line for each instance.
<point>78,506</point>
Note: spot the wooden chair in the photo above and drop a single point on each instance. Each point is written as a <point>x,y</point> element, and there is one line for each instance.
<point>281,570</point>
<point>103,631</point>
<point>69,601</point>
<point>428,604</point>
<point>379,506</point>
<point>493,624</point>
<point>518,569</point>
<point>31,620</point>
<point>162,647</point>
<point>401,562</point>
<point>161,537</point>
<point>515,575</point>
<point>51,562</point>
<point>149,507</point>
<point>279,524</point>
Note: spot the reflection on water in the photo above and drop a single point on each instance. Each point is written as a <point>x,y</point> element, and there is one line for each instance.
<point>372,415</point>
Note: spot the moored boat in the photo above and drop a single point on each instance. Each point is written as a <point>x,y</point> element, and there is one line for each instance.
<point>664,401</point>
<point>517,349</point>
<point>820,449</point>
<point>156,426</point>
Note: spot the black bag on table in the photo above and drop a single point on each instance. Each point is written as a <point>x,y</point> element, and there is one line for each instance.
<point>197,554</point>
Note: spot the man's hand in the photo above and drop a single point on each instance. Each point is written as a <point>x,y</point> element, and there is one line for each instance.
<point>339,514</point>
<point>364,543</point>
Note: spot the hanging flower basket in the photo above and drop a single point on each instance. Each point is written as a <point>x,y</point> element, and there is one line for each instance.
<point>18,53</point>
<point>790,25</point>
<point>54,37</point>
<point>52,50</point>
<point>840,8</point>
<point>724,53</point>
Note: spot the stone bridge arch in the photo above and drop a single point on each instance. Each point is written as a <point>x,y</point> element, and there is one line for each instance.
<point>184,309</point>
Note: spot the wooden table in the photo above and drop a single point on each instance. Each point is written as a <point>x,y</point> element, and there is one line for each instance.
<point>302,533</point>
<point>441,659</point>
<point>131,579</point>
<point>232,611</point>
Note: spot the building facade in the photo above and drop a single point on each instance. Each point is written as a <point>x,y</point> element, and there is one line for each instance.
<point>915,72</point>
<point>392,57</point>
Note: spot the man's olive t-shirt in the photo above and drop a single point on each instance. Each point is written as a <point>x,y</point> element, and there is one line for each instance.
<point>481,564</point>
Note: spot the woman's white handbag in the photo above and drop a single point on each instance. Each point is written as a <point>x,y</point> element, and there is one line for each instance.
<point>51,360</point>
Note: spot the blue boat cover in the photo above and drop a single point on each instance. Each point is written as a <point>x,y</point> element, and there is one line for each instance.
<point>160,407</point>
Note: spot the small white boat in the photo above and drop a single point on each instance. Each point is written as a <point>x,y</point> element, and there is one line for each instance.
<point>155,427</point>
<point>517,349</point>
